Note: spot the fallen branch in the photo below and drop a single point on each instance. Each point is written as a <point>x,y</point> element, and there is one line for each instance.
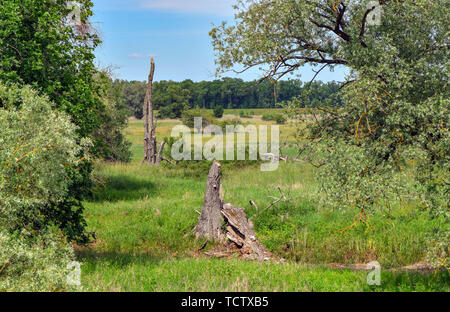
<point>277,200</point>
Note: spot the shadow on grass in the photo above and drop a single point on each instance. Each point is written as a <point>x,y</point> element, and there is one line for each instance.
<point>123,187</point>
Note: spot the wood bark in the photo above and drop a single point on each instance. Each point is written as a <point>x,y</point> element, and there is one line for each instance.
<point>149,125</point>
<point>211,220</point>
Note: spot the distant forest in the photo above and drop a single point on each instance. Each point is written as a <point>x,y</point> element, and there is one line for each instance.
<point>171,98</point>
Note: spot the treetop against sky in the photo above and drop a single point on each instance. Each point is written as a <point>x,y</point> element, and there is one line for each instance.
<point>175,33</point>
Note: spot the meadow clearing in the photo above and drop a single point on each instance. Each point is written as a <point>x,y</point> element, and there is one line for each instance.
<point>143,219</point>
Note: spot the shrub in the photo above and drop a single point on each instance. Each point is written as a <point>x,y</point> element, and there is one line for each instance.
<point>244,114</point>
<point>189,115</point>
<point>277,117</point>
<point>33,264</point>
<point>231,122</point>
<point>439,251</point>
<point>218,112</point>
<point>39,156</point>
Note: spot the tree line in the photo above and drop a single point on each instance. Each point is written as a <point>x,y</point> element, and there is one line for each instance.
<point>171,98</point>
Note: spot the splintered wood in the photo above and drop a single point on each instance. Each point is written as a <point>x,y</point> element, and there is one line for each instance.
<point>240,231</point>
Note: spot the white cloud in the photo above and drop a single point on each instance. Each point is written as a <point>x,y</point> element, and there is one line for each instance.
<point>217,7</point>
<point>140,55</point>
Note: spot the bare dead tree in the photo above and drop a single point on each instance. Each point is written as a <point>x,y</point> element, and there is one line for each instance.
<point>149,123</point>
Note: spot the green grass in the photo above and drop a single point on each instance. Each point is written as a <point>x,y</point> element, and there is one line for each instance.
<point>143,219</point>
<point>119,272</point>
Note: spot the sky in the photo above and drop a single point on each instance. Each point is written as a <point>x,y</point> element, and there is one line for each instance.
<point>175,33</point>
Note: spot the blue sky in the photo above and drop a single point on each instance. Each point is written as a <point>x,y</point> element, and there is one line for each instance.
<point>174,32</point>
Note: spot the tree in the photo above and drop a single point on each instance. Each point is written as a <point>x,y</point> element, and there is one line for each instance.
<point>39,47</point>
<point>132,94</point>
<point>171,99</point>
<point>111,144</point>
<point>42,48</point>
<point>395,115</point>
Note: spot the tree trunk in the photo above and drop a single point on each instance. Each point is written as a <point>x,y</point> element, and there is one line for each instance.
<point>149,126</point>
<point>210,223</point>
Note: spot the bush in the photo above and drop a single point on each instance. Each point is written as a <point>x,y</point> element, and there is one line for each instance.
<point>30,264</point>
<point>218,112</point>
<point>188,118</point>
<point>39,158</point>
<point>244,114</point>
<point>438,252</point>
<point>231,122</point>
<point>277,117</point>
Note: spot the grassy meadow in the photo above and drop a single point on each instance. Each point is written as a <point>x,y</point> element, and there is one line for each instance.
<point>143,219</point>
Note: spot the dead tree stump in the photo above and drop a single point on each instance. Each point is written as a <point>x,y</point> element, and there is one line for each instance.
<point>210,222</point>
<point>239,229</point>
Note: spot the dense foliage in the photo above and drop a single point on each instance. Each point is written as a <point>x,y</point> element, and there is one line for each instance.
<point>38,146</point>
<point>35,263</point>
<point>218,112</point>
<point>40,48</point>
<point>54,106</point>
<point>109,139</point>
<point>170,97</point>
<point>39,208</point>
<point>389,144</point>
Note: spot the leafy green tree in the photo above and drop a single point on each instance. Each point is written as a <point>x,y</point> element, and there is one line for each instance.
<point>40,48</point>
<point>111,143</point>
<point>170,99</point>
<point>132,94</point>
<point>394,122</point>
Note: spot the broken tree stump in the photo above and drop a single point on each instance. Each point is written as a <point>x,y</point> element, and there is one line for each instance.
<point>239,229</point>
<point>211,220</point>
